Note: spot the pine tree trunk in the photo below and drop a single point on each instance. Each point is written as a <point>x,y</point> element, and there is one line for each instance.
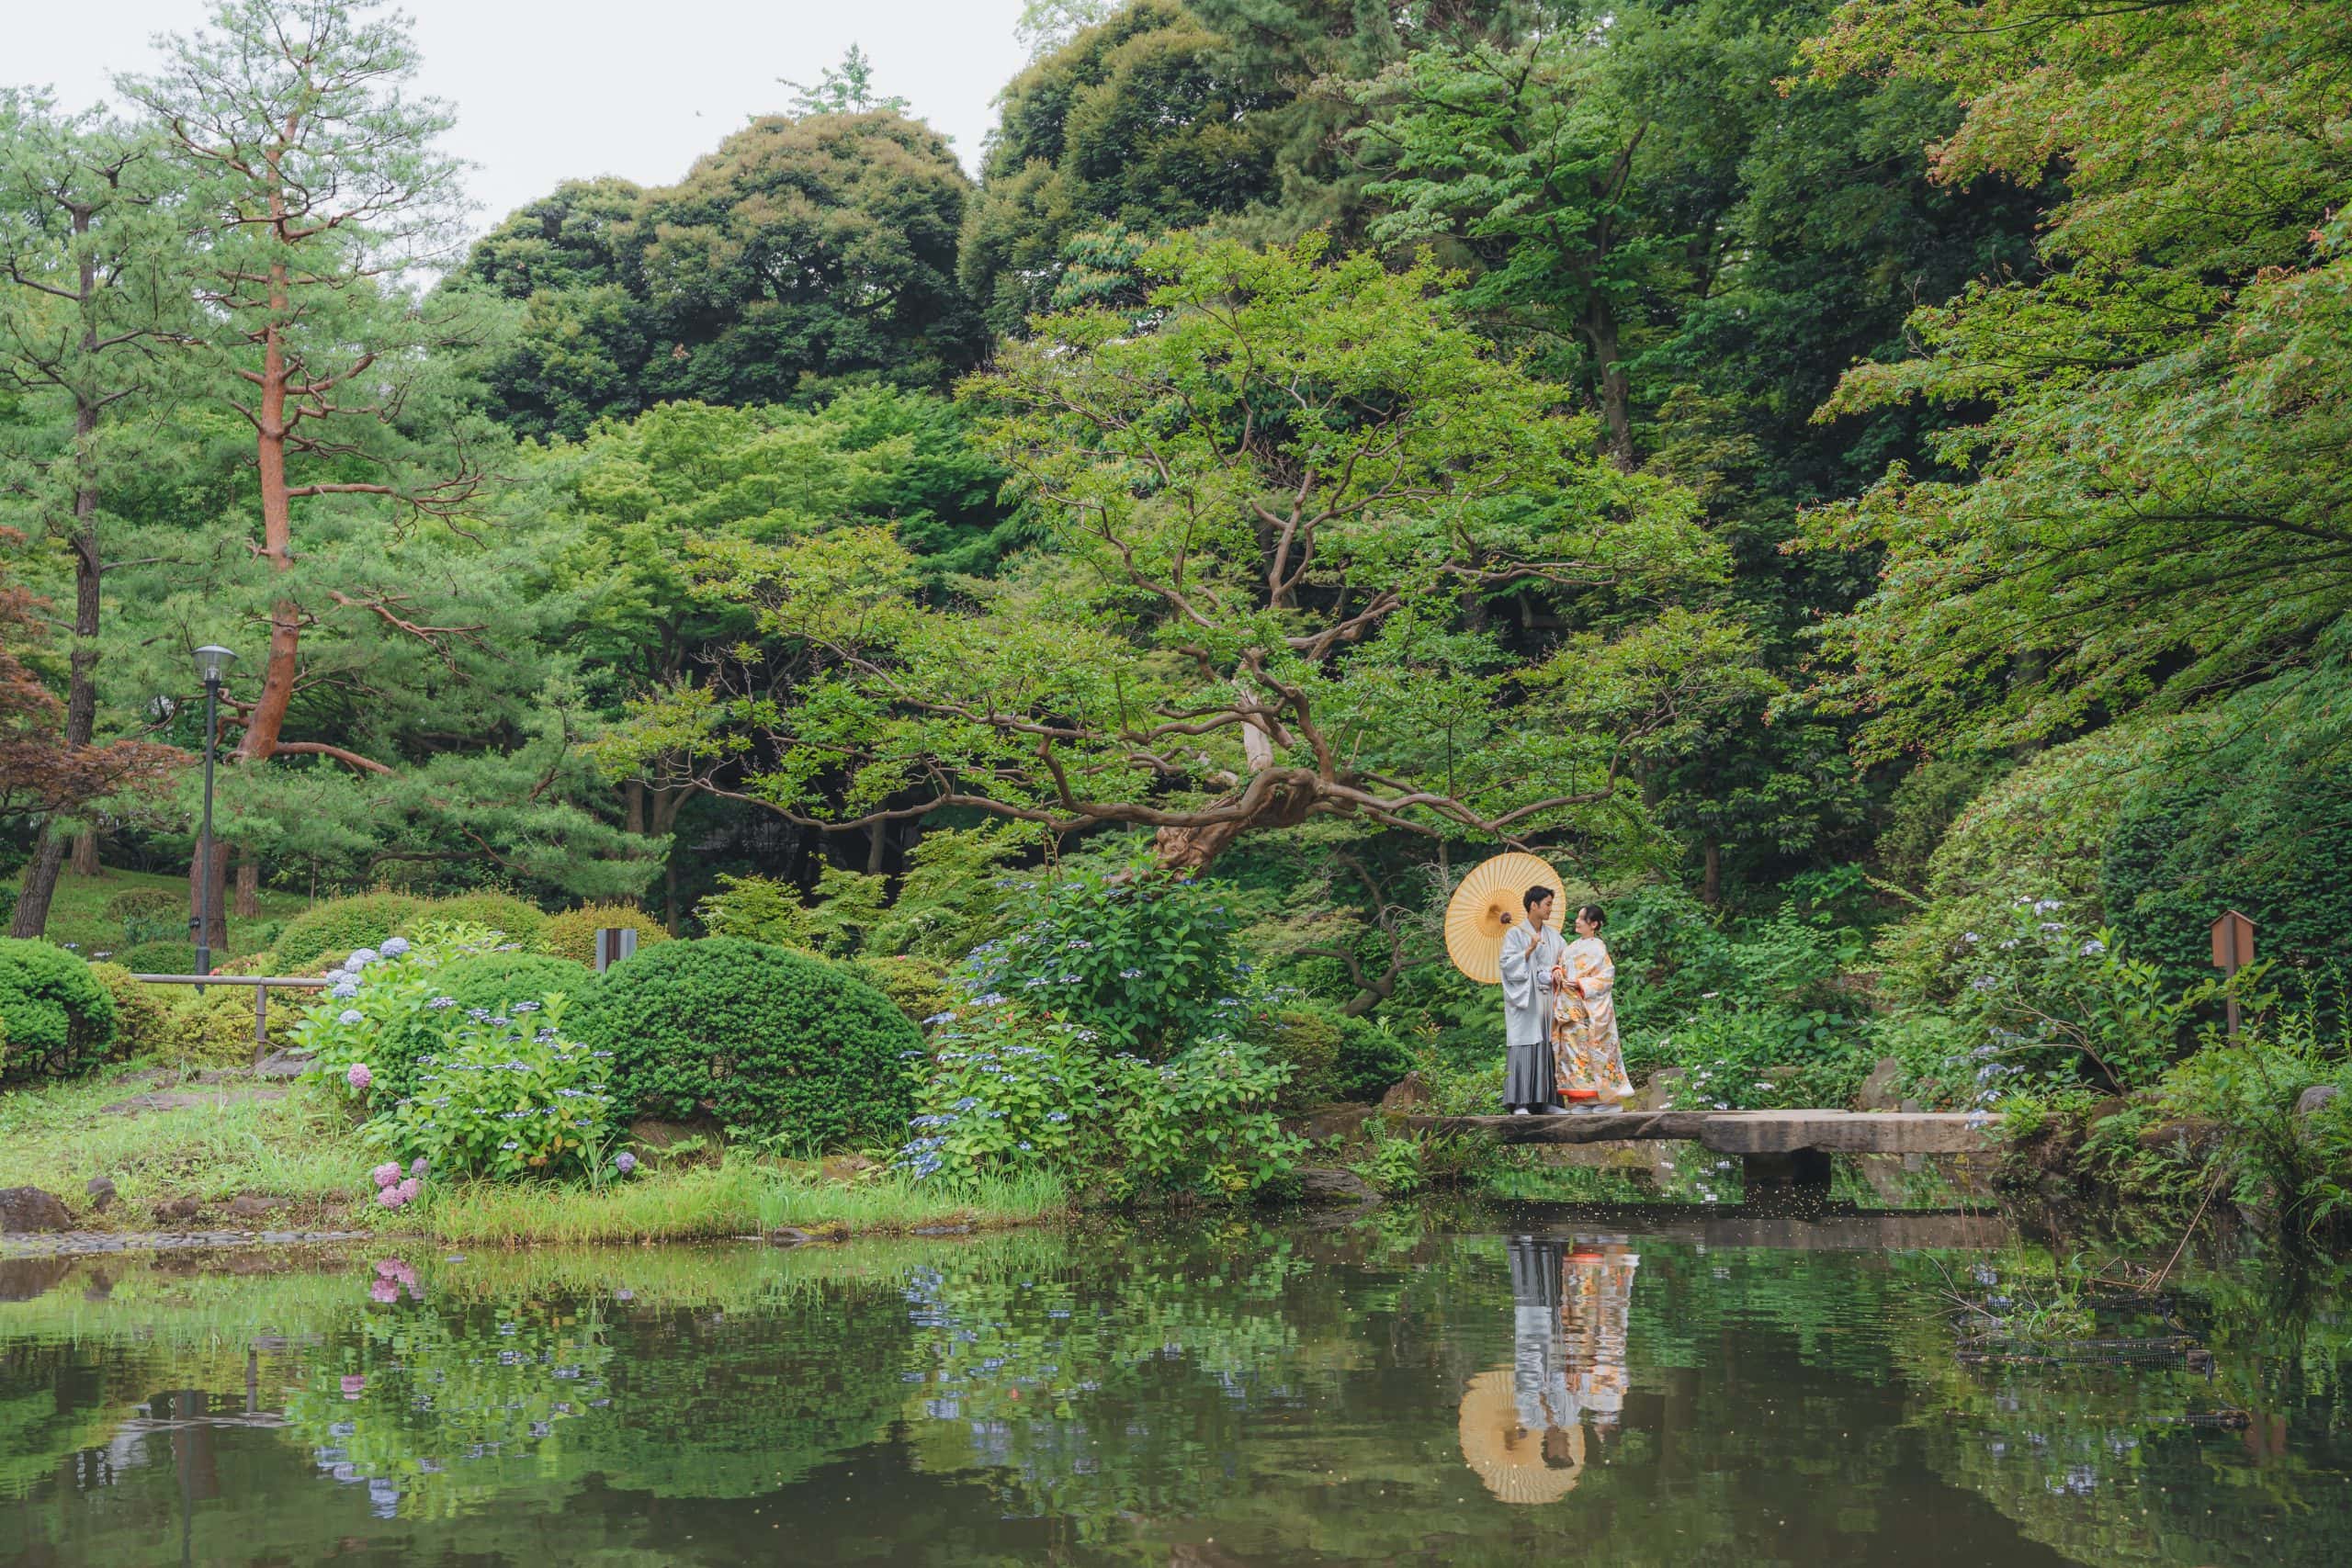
<point>86,852</point>
<point>1712,889</point>
<point>39,885</point>
<point>248,905</point>
<point>267,719</point>
<point>217,937</point>
<point>633,798</point>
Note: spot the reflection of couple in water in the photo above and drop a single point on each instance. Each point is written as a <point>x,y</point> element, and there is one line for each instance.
<point>1523,1428</point>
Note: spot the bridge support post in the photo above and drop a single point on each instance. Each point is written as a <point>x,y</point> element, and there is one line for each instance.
<point>1786,1167</point>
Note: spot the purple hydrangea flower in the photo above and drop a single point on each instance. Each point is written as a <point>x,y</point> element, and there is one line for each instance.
<point>625,1162</point>
<point>419,1166</point>
<point>386,1174</point>
<point>394,946</point>
<point>359,1078</point>
<point>360,958</point>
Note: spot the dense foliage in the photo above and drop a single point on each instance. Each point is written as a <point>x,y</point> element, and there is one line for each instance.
<point>1830,475</point>
<point>57,1018</point>
<point>771,1044</point>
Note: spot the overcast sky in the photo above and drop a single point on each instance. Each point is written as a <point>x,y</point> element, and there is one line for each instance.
<point>550,89</point>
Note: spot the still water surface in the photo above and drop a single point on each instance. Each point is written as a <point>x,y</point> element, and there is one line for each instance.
<point>1519,1387</point>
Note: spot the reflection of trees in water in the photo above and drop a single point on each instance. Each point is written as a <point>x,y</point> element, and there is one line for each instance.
<point>2104,1457</point>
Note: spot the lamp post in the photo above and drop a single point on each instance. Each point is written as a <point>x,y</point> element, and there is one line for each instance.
<point>213,662</point>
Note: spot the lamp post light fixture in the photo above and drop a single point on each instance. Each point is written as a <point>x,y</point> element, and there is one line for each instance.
<point>213,662</point>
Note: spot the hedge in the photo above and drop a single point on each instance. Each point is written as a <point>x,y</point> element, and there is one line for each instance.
<point>332,928</point>
<point>518,918</point>
<point>773,1044</point>
<point>60,1018</point>
<point>496,980</point>
<point>572,934</point>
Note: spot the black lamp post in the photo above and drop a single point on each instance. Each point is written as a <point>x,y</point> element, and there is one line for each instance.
<point>213,662</point>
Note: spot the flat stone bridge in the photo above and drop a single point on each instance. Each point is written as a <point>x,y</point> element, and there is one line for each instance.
<point>1776,1147</point>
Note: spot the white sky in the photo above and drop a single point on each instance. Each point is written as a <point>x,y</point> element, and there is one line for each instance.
<point>546,90</point>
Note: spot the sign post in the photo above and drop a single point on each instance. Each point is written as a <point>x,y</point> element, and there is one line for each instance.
<point>2232,950</point>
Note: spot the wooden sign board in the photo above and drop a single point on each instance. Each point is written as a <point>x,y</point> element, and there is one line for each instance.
<point>2233,941</point>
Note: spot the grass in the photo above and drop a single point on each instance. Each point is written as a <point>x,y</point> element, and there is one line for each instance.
<point>302,1148</point>
<point>77,913</point>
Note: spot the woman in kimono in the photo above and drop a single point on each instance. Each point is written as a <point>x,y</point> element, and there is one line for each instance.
<point>1590,1063</point>
<point>1533,960</point>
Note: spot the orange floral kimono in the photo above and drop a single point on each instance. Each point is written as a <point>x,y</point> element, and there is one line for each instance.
<point>1587,1061</point>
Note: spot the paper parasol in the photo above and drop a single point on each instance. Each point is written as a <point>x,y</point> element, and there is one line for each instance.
<point>1518,1465</point>
<point>1491,900</point>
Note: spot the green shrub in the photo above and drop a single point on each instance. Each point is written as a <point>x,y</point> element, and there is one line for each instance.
<point>158,958</point>
<point>495,980</point>
<point>504,1099</point>
<point>142,1015</point>
<point>1371,1060</point>
<point>916,986</point>
<point>2232,832</point>
<point>519,918</point>
<point>1745,1058</point>
<point>216,1030</point>
<point>148,914</point>
<point>60,1018</point>
<point>1009,1091</point>
<point>775,1045</point>
<point>393,1015</point>
<point>1145,959</point>
<point>572,934</point>
<point>1304,1037</point>
<point>334,929</point>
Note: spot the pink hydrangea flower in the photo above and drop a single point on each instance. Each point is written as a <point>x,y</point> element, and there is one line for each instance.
<point>354,1385</point>
<point>408,1190</point>
<point>385,1173</point>
<point>390,1198</point>
<point>359,1078</point>
<point>385,1290</point>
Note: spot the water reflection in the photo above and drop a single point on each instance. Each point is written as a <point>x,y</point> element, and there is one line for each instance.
<point>1522,1426</point>
<point>1240,1393</point>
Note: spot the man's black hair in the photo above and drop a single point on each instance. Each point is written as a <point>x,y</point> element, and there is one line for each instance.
<point>1536,892</point>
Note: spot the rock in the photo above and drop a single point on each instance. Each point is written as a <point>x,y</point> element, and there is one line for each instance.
<point>844,1168</point>
<point>178,1209</point>
<point>1322,1186</point>
<point>1342,1124</point>
<point>790,1235</point>
<point>30,1208</point>
<point>2312,1098</point>
<point>677,1143</point>
<point>2190,1137</point>
<point>281,1065</point>
<point>1409,1096</point>
<point>1878,1090</point>
<point>253,1205</point>
<point>1658,1093</point>
<point>101,1192</point>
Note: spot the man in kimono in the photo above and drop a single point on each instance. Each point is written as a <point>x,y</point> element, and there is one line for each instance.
<point>1533,960</point>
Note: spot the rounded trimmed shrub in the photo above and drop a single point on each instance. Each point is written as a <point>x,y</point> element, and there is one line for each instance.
<point>142,1014</point>
<point>496,980</point>
<point>158,958</point>
<point>60,1018</point>
<point>334,928</point>
<point>518,919</point>
<point>216,1030</point>
<point>1304,1037</point>
<point>1371,1060</point>
<point>771,1042</point>
<point>572,934</point>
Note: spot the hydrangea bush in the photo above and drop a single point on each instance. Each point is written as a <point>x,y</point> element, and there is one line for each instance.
<point>384,1010</point>
<point>1146,959</point>
<point>506,1096</point>
<point>1011,1090</point>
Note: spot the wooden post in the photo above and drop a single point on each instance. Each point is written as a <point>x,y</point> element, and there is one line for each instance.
<point>2232,950</point>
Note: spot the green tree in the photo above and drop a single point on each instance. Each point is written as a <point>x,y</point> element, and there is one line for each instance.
<point>1270,517</point>
<point>847,88</point>
<point>585,332</point>
<point>93,296</point>
<point>1141,119</point>
<point>803,252</point>
<point>2144,497</point>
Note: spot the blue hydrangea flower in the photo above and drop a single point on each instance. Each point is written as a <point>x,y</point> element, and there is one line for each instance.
<point>360,958</point>
<point>442,1004</point>
<point>343,991</point>
<point>351,1015</point>
<point>394,946</point>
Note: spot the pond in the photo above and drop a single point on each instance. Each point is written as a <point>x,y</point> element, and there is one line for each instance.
<point>1618,1386</point>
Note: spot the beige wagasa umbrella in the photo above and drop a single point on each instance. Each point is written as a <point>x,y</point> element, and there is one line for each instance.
<point>1491,900</point>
